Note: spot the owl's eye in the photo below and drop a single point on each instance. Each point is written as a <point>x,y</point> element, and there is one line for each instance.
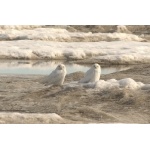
<point>62,66</point>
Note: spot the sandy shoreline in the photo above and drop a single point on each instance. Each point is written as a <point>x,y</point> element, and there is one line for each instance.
<point>22,94</point>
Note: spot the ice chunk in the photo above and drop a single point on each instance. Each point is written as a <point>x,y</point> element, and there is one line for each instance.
<point>106,52</point>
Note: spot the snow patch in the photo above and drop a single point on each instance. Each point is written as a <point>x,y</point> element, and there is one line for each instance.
<point>109,84</point>
<point>13,117</point>
<point>123,83</point>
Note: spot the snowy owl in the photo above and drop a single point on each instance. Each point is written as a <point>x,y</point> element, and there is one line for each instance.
<point>92,75</point>
<point>57,76</point>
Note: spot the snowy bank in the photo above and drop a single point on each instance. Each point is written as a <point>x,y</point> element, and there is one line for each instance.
<point>62,35</point>
<point>118,52</point>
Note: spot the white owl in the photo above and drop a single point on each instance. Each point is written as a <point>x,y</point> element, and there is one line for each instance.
<point>92,75</point>
<point>57,76</point>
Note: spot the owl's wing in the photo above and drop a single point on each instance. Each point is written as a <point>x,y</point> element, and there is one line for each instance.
<point>87,76</point>
<point>53,78</point>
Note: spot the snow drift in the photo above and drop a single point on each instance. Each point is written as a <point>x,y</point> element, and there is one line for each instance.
<point>118,52</point>
<point>63,35</point>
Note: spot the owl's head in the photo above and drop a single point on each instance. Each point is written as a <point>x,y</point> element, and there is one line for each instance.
<point>61,67</point>
<point>96,66</point>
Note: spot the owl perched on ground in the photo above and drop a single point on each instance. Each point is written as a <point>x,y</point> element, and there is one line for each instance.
<point>57,76</point>
<point>92,75</point>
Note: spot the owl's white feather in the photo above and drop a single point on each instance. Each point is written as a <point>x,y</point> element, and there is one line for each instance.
<point>92,75</point>
<point>57,76</point>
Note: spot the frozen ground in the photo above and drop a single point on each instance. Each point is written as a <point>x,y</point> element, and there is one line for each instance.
<point>121,97</point>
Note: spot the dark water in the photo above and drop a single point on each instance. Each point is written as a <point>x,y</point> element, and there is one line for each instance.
<point>45,67</point>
